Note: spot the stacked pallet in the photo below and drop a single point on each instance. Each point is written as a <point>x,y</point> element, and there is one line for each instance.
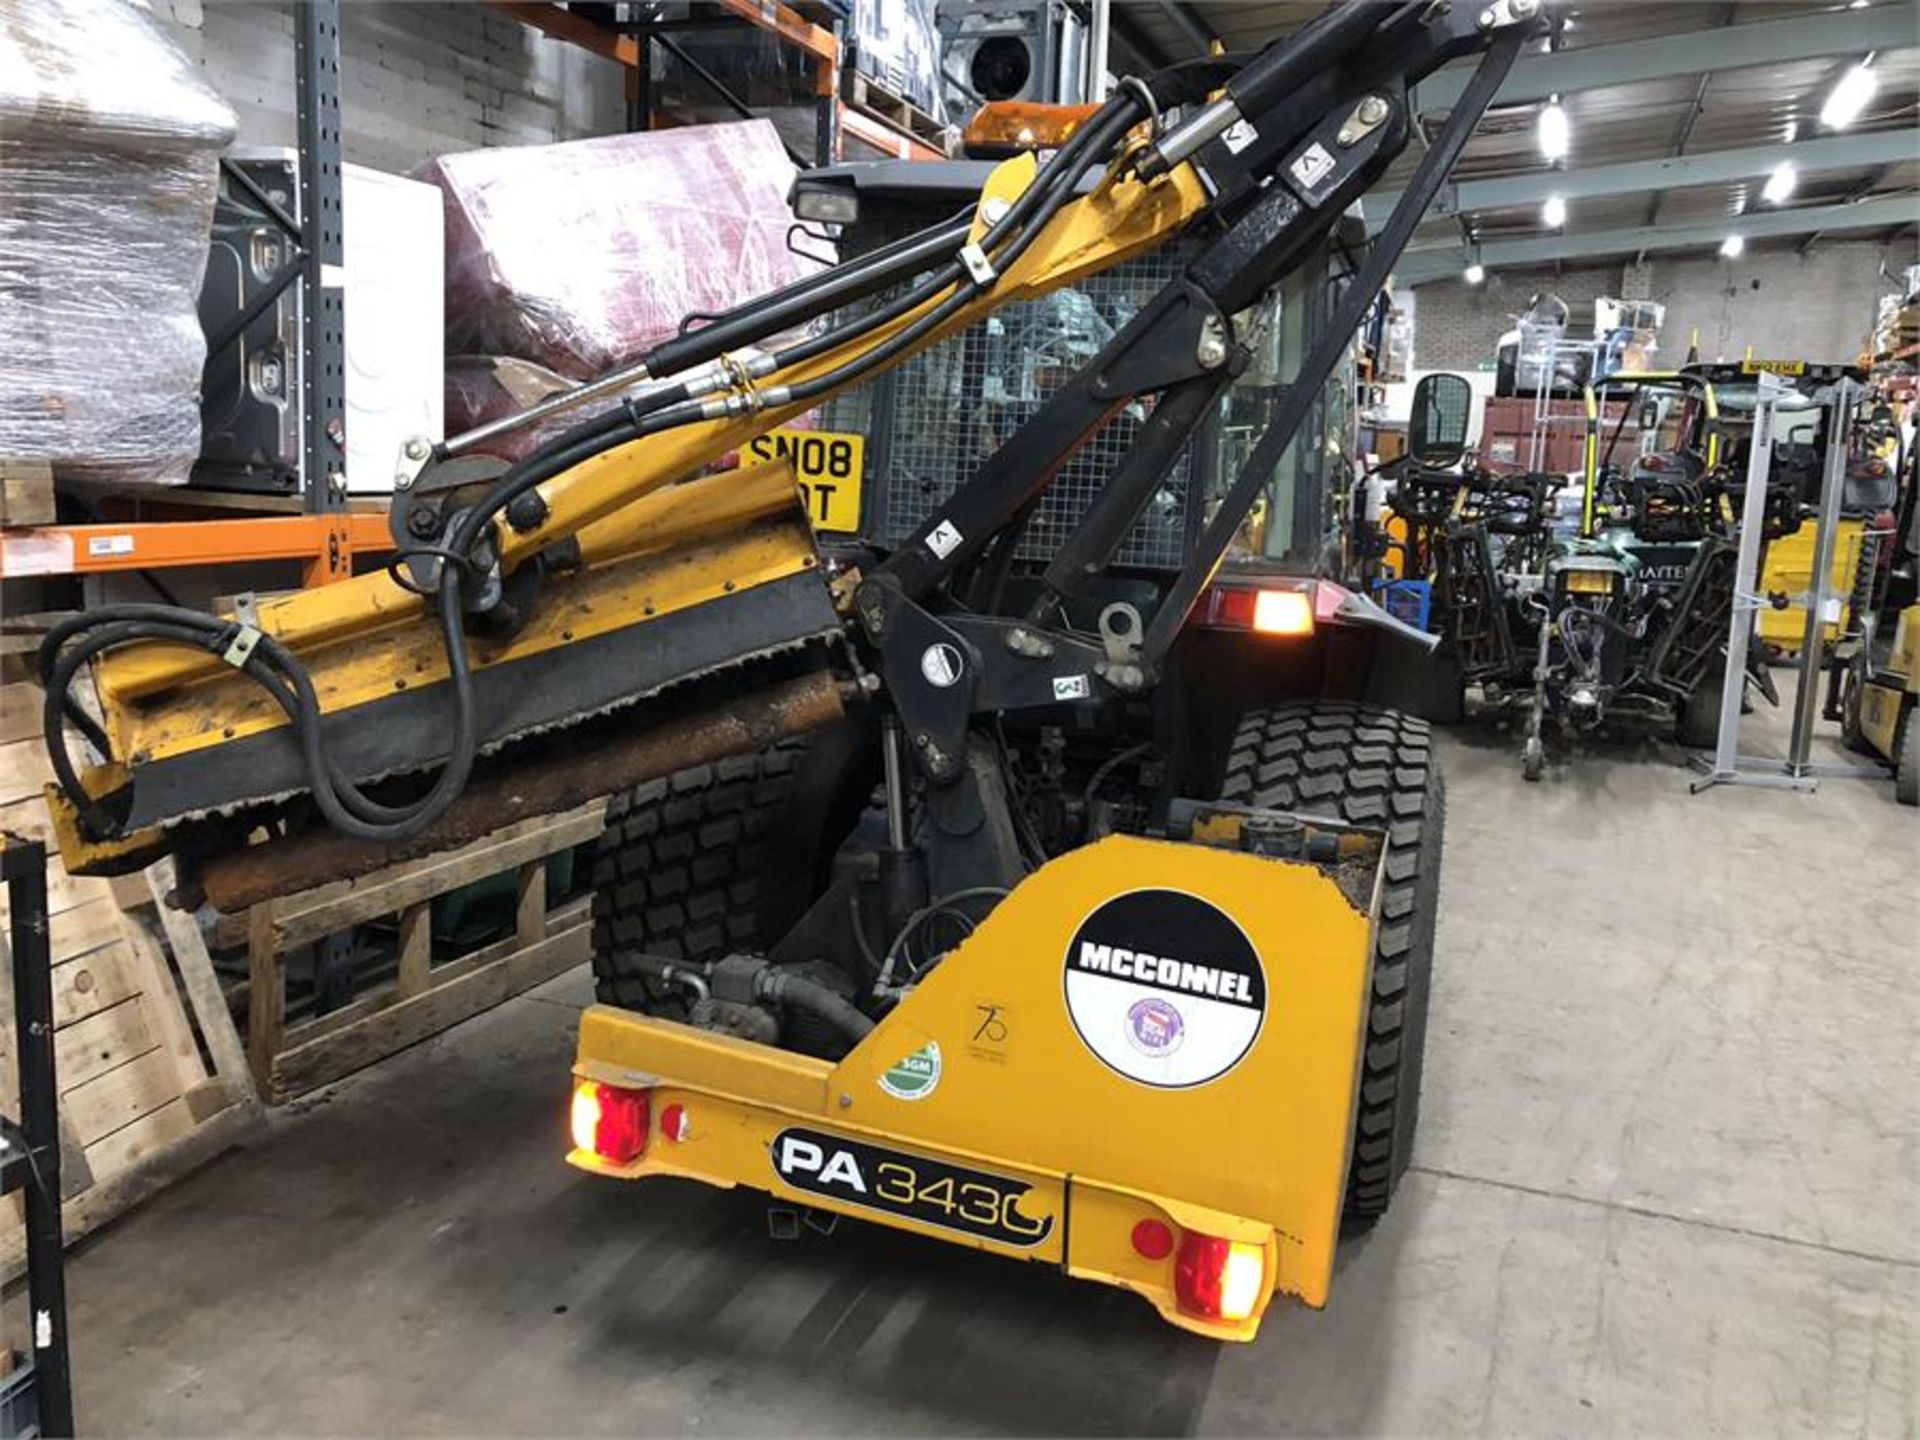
<point>423,984</point>
<point>891,109</point>
<point>152,1077</point>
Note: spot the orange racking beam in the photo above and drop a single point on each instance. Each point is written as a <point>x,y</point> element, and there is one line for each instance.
<point>327,543</point>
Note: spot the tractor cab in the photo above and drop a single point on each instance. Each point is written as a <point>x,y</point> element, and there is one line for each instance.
<point>1289,582</point>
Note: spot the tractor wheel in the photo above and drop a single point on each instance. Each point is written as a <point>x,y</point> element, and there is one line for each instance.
<point>1372,766</point>
<point>1852,686</point>
<point>1700,716</point>
<point>1906,764</point>
<point>678,872</point>
<point>1533,762</point>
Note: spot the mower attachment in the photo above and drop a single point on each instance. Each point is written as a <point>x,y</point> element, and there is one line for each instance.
<point>1149,1083</point>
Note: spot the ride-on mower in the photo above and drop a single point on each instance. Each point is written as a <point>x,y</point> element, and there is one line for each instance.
<point>1073,909</point>
<point>1614,613</point>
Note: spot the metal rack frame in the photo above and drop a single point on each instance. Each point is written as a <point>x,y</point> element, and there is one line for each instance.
<point>835,119</point>
<point>39,1395</point>
<point>1726,765</point>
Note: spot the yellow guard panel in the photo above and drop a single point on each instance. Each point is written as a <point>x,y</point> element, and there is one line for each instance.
<point>1141,1030</point>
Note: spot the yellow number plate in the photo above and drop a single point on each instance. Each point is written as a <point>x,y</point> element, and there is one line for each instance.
<point>1589,582</point>
<point>829,464</point>
<point>1773,367</point>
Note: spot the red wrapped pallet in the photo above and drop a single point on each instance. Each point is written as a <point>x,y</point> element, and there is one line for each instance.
<point>581,256</point>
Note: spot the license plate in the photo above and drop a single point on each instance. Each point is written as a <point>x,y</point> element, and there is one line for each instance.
<point>940,1193</point>
<point>1589,582</point>
<point>1773,367</point>
<point>829,464</point>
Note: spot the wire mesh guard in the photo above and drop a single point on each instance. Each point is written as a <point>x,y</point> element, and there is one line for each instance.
<point>932,421</point>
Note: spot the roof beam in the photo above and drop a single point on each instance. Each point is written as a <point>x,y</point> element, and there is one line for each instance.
<point>1839,152</point>
<point>1417,267</point>
<point>1736,47</point>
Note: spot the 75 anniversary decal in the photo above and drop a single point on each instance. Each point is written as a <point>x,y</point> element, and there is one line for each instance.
<point>934,1192</point>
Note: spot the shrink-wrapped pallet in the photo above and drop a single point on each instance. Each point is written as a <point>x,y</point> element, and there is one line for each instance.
<point>581,256</point>
<point>109,146</point>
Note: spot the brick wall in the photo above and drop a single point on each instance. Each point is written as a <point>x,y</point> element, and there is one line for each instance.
<point>417,79</point>
<point>1818,306</point>
<point>1456,325</point>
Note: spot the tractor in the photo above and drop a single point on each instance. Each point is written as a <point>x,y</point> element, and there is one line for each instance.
<point>1013,839</point>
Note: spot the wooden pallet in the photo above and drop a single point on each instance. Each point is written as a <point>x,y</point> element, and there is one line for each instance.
<point>424,995</point>
<point>866,94</point>
<point>153,1079</point>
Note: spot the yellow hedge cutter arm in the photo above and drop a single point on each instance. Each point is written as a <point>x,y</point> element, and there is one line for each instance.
<point>606,569</point>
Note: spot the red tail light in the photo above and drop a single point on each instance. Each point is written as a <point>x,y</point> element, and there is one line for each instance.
<point>611,1122</point>
<point>1269,612</point>
<point>1219,1279</point>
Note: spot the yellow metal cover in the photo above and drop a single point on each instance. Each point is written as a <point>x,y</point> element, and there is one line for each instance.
<point>1141,1030</point>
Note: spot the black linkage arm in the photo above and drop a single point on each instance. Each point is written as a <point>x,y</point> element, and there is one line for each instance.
<point>1384,254</point>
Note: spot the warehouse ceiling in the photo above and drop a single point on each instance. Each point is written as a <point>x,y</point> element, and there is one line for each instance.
<point>1732,90</point>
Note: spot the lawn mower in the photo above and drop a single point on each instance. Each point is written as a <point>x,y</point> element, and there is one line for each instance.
<point>1046,874</point>
<point>1614,613</point>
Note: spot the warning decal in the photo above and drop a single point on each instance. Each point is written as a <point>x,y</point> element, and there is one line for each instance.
<point>1165,988</point>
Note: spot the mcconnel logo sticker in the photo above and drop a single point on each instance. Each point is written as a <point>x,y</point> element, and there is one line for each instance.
<point>1165,988</point>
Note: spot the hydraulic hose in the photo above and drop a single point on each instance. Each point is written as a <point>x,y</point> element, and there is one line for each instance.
<point>785,988</point>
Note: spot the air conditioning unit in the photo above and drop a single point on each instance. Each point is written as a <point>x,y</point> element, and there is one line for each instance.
<point>1032,50</point>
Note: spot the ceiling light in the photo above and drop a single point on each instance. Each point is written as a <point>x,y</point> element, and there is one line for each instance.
<point>1555,135</point>
<point>1849,97</point>
<point>1553,214</point>
<point>1780,184</point>
<point>1733,246</point>
<point>1474,274</point>
<point>1856,4</point>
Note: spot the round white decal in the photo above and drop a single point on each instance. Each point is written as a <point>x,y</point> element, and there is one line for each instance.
<point>941,664</point>
<point>1165,988</point>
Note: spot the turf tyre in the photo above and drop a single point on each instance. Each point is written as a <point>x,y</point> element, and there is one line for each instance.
<point>678,872</point>
<point>1374,766</point>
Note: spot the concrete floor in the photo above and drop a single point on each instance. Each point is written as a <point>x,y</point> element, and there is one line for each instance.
<point>1666,1184</point>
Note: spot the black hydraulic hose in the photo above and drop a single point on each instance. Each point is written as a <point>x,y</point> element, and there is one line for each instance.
<point>817,295</point>
<point>280,673</point>
<point>1055,199</point>
<point>785,988</point>
<point>809,298</point>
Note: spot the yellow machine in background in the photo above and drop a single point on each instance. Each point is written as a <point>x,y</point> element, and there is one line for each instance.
<point>1789,571</point>
<point>1880,706</point>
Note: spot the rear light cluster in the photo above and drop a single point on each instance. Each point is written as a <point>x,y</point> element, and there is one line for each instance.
<point>1220,1279</point>
<point>611,1122</point>
<point>1213,1278</point>
<point>1269,612</point>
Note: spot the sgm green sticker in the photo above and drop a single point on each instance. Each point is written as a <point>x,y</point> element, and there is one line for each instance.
<point>915,1076</point>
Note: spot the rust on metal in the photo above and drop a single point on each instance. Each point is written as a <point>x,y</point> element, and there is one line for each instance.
<point>543,786</point>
